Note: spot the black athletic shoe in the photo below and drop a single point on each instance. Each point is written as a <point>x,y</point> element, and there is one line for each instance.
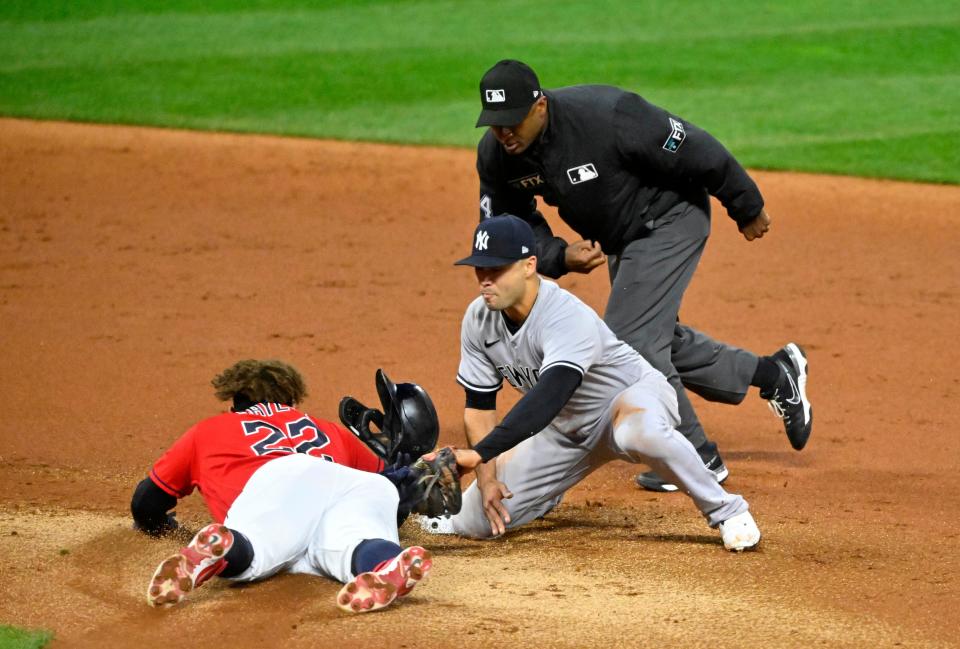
<point>711,459</point>
<point>788,399</point>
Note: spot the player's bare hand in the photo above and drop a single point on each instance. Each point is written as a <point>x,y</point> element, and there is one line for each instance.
<point>467,459</point>
<point>583,256</point>
<point>756,228</point>
<point>492,493</point>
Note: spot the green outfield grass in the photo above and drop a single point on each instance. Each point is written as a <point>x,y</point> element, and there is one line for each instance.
<point>859,87</point>
<point>13,638</point>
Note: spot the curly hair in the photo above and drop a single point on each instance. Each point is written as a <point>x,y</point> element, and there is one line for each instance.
<point>261,381</point>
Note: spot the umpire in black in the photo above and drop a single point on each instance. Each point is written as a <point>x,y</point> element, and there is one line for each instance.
<point>634,181</point>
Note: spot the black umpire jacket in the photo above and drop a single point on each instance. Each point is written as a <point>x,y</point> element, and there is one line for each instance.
<point>610,162</point>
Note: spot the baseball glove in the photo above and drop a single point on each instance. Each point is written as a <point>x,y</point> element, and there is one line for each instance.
<point>438,485</point>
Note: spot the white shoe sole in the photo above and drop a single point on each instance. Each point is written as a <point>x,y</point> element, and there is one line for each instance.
<point>800,362</point>
<point>438,525</point>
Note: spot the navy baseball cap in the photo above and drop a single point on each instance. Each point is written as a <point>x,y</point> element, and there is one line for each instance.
<point>500,240</point>
<point>507,91</point>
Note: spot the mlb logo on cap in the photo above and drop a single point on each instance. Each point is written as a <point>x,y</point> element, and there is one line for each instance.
<point>507,91</point>
<point>499,241</point>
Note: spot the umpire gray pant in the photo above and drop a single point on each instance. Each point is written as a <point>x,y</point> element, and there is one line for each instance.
<point>648,280</point>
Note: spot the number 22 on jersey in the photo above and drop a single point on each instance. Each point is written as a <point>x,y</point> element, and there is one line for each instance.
<point>300,436</point>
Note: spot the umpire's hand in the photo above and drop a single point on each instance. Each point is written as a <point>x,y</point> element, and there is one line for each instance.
<point>756,228</point>
<point>583,256</point>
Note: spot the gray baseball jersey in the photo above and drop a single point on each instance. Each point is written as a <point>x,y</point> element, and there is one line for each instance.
<point>560,330</point>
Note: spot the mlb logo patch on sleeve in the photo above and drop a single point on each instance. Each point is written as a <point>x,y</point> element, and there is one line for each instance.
<point>675,139</point>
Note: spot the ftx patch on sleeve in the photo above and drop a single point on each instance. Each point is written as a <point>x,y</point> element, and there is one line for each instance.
<point>676,137</point>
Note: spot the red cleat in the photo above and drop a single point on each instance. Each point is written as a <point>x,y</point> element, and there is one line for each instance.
<point>370,591</point>
<point>202,559</point>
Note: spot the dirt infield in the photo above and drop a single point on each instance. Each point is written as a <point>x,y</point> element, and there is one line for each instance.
<point>135,264</point>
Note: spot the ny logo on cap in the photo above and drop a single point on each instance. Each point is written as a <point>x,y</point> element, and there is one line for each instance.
<point>482,239</point>
<point>496,96</point>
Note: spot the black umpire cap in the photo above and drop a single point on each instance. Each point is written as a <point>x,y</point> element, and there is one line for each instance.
<point>507,91</point>
<point>500,240</point>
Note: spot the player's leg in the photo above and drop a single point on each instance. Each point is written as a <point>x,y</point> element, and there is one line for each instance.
<point>648,280</point>
<point>383,580</point>
<point>538,471</point>
<point>258,538</point>
<point>356,541</point>
<point>641,429</point>
<point>277,511</point>
<point>214,550</point>
<point>362,506</point>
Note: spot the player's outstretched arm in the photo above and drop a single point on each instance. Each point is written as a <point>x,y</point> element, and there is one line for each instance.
<point>149,507</point>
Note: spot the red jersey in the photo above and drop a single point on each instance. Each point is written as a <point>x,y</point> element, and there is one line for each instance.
<point>218,455</point>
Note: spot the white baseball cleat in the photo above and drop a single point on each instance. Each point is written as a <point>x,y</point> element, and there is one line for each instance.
<point>437,525</point>
<point>740,532</point>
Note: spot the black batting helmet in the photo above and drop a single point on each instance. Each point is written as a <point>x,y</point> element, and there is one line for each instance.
<point>408,416</point>
<point>407,425</point>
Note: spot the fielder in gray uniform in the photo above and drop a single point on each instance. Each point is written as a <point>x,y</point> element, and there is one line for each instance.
<point>589,398</point>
